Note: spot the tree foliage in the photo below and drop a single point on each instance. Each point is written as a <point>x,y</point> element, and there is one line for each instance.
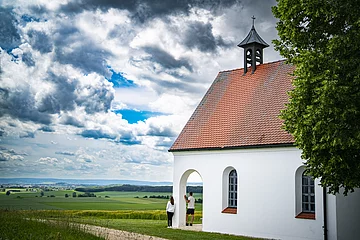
<point>322,39</point>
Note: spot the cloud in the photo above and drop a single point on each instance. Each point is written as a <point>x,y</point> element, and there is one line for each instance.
<point>47,129</point>
<point>40,41</point>
<point>163,58</point>
<point>9,37</point>
<point>97,134</point>
<point>10,156</point>
<point>21,104</point>
<point>143,10</point>
<point>199,35</point>
<point>67,153</point>
<point>75,47</point>
<point>48,160</point>
<point>28,59</point>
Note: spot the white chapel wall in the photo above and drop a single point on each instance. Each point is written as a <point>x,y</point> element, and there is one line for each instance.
<point>266,192</point>
<point>348,215</point>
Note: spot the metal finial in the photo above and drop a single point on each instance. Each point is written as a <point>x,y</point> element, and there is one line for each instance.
<point>253,18</point>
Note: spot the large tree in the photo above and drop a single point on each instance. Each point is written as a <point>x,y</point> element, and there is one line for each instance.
<point>322,39</point>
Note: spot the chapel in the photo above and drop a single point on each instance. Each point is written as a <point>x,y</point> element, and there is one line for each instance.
<point>254,180</point>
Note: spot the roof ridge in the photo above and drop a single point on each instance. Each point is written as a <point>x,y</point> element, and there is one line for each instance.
<point>267,63</point>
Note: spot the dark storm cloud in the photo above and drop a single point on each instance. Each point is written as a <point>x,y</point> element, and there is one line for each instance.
<point>38,9</point>
<point>96,134</point>
<point>64,96</point>
<point>161,131</point>
<point>46,129</point>
<point>9,36</point>
<point>21,104</point>
<point>70,120</point>
<point>142,10</point>
<point>166,60</point>
<point>86,55</point>
<point>28,60</point>
<point>98,99</point>
<point>40,41</point>
<point>199,35</point>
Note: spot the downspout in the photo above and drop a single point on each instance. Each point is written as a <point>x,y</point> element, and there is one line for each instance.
<point>325,214</point>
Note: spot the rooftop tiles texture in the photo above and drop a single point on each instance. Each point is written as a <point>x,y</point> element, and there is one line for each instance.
<point>240,110</point>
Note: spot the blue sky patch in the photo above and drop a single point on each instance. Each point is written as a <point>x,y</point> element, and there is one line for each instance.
<point>120,81</point>
<point>133,116</point>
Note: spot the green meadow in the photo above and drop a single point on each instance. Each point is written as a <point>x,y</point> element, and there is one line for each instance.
<point>25,200</point>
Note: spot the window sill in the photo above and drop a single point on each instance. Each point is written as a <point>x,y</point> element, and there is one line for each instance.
<point>230,210</point>
<point>304,215</point>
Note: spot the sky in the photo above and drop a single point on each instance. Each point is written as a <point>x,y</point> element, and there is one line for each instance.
<point>100,89</point>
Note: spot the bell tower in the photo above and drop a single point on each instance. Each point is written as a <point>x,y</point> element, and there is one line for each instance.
<point>253,46</point>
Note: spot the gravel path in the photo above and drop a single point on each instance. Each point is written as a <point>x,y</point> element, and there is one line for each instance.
<point>113,234</point>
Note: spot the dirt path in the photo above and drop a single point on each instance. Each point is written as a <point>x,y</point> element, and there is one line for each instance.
<point>113,234</point>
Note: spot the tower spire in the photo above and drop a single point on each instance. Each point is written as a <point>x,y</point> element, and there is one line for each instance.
<point>253,46</point>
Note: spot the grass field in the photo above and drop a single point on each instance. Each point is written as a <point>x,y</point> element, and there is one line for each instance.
<point>18,226</point>
<point>115,201</point>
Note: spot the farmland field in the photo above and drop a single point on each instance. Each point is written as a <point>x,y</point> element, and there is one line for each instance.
<point>103,201</point>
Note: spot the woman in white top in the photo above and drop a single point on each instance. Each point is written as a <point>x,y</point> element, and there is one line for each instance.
<point>170,209</point>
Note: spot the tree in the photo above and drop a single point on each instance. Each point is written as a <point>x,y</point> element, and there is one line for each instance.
<point>74,194</point>
<point>42,193</point>
<point>322,39</point>
<point>8,193</point>
<point>66,195</point>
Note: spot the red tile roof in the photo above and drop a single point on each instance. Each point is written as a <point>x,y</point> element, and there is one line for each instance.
<point>240,110</point>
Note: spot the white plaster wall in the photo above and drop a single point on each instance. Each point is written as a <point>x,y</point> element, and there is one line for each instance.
<point>348,215</point>
<point>331,217</point>
<point>266,192</point>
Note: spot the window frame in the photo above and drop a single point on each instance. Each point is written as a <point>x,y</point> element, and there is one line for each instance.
<point>232,192</point>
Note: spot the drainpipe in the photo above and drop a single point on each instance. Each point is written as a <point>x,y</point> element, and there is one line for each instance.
<point>325,214</point>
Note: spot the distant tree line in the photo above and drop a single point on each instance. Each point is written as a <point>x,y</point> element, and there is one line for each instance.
<point>136,188</point>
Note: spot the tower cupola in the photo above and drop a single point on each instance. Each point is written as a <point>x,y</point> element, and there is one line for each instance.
<point>253,46</point>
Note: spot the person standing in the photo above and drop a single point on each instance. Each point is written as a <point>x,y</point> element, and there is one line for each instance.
<point>190,209</point>
<point>170,209</point>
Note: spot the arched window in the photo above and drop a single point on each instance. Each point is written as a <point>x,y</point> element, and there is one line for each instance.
<point>232,189</point>
<point>229,191</point>
<point>308,194</point>
<point>304,194</point>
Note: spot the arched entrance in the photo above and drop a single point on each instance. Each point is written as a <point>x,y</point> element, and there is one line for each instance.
<point>179,192</point>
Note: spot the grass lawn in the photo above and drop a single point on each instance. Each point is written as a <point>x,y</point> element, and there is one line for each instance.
<point>17,226</point>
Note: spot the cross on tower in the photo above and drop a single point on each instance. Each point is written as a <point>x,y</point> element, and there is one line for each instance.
<point>253,18</point>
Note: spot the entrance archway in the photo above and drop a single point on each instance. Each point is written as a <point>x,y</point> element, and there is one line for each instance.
<point>179,192</point>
